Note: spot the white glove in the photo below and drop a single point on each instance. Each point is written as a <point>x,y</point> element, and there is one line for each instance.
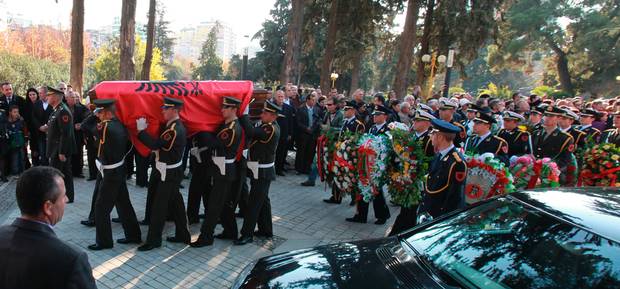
<point>247,110</point>
<point>141,123</point>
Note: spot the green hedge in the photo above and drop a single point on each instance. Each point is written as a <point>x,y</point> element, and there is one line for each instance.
<point>24,71</point>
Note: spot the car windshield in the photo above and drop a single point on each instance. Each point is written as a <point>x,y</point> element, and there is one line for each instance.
<point>504,244</point>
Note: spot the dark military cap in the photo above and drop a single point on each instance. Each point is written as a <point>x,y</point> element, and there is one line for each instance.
<point>230,101</point>
<point>553,110</point>
<point>380,109</point>
<point>351,104</point>
<point>170,102</point>
<point>53,91</point>
<point>473,107</point>
<point>444,126</point>
<point>539,109</point>
<point>484,117</point>
<point>589,112</point>
<point>272,107</point>
<point>103,103</point>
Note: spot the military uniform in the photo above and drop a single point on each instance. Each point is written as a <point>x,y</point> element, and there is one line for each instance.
<point>579,137</point>
<point>518,141</point>
<point>111,184</point>
<point>163,193</point>
<point>223,168</point>
<point>201,183</point>
<point>559,147</point>
<point>61,141</point>
<point>611,136</point>
<point>592,134</point>
<point>261,156</point>
<point>478,145</point>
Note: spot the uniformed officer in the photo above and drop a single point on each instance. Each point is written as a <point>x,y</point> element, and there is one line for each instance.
<point>261,157</point>
<point>222,167</point>
<point>534,122</point>
<point>350,125</point>
<point>60,138</point>
<point>484,141</point>
<point>613,135</point>
<point>446,112</point>
<point>519,141</point>
<point>551,142</point>
<point>447,172</point>
<point>166,178</point>
<point>110,134</point>
<point>565,124</point>
<point>586,117</point>
<point>201,182</point>
<point>407,217</point>
<point>380,115</point>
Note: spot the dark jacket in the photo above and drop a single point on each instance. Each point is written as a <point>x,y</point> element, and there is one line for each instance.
<point>286,121</point>
<point>445,184</point>
<point>80,112</point>
<point>303,123</point>
<point>40,117</point>
<point>15,100</point>
<point>33,257</point>
<point>60,132</point>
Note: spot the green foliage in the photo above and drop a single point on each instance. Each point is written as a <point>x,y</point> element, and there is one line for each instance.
<point>235,67</point>
<point>273,40</point>
<point>106,65</point>
<point>163,39</point>
<point>455,89</point>
<point>210,65</point>
<point>494,90</point>
<point>25,71</point>
<point>543,90</point>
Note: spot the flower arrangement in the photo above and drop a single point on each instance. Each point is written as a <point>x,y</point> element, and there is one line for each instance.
<point>372,165</point>
<point>601,166</point>
<point>486,177</point>
<point>408,165</point>
<point>345,161</point>
<point>530,173</point>
<point>325,149</point>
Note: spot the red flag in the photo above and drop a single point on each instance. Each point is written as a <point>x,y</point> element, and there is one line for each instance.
<point>201,109</point>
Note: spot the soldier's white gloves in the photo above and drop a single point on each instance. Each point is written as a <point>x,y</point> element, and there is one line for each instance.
<point>141,123</point>
<point>247,109</point>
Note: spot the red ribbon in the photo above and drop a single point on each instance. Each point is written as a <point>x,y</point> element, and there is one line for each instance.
<point>320,142</point>
<point>364,167</point>
<point>534,179</point>
<point>601,175</point>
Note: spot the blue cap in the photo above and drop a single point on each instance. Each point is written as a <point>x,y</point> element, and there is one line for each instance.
<point>444,126</point>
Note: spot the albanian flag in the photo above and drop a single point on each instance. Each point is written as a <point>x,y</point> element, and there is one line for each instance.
<point>201,109</point>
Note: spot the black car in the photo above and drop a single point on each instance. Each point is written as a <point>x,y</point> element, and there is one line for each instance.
<point>553,238</point>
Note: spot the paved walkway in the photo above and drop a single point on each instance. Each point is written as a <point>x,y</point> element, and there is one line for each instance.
<point>300,219</point>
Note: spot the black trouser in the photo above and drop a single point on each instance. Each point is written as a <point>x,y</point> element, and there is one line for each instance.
<point>336,193</point>
<point>129,159</point>
<point>220,193</point>
<point>306,148</point>
<point>244,195</point>
<point>281,153</point>
<point>91,155</point>
<point>378,204</point>
<point>166,196</point>
<point>77,159</point>
<point>259,209</point>
<point>405,220</point>
<point>228,213</point>
<point>65,168</point>
<point>35,155</point>
<point>113,192</point>
<point>142,167</point>
<point>91,214</point>
<point>199,186</point>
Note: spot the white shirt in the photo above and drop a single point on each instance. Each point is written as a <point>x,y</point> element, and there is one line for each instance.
<point>45,105</point>
<point>445,151</point>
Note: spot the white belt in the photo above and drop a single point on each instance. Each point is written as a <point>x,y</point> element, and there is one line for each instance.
<point>195,151</point>
<point>220,163</point>
<point>163,167</point>
<point>265,166</point>
<point>254,166</point>
<point>102,167</point>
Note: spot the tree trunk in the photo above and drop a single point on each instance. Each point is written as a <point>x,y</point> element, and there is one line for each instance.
<point>127,40</point>
<point>355,72</point>
<point>420,76</point>
<point>562,66</point>
<point>150,37</point>
<point>407,40</point>
<point>77,46</point>
<point>293,43</point>
<point>330,45</point>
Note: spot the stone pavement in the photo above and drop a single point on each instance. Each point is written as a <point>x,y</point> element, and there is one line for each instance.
<point>301,219</point>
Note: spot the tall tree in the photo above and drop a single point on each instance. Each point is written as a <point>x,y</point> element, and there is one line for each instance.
<point>272,37</point>
<point>425,41</point>
<point>407,42</point>
<point>127,40</point>
<point>330,45</point>
<point>210,65</point>
<point>150,35</point>
<point>163,39</point>
<point>293,43</point>
<point>77,45</point>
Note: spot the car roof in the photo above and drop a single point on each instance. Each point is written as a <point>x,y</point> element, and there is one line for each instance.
<point>596,209</point>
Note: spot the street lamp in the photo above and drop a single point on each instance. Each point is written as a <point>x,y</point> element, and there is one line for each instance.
<point>334,76</point>
<point>432,59</point>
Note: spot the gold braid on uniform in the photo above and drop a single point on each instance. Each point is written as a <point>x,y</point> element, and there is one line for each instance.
<point>174,137</point>
<point>570,137</point>
<point>102,140</point>
<point>232,138</point>
<point>501,143</point>
<point>273,131</point>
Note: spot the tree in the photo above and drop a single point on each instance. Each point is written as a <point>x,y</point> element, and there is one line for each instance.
<point>233,72</point>
<point>127,40</point>
<point>272,37</point>
<point>330,45</point>
<point>163,40</point>
<point>77,45</point>
<point>210,65</point>
<point>293,43</point>
<point>150,35</point>
<point>106,64</point>
<point>407,41</point>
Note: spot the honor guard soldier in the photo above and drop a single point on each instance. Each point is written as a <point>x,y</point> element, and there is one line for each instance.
<point>166,178</point>
<point>565,123</point>
<point>407,217</point>
<point>613,135</point>
<point>519,141</point>
<point>446,113</point>
<point>586,117</point>
<point>111,186</point>
<point>350,125</point>
<point>484,141</point>
<point>380,115</point>
<point>447,172</point>
<point>534,122</point>
<point>551,142</point>
<point>261,156</point>
<point>60,138</point>
<point>222,167</point>
<point>201,183</point>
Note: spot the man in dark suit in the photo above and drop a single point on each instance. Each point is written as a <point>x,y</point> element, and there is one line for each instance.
<point>60,138</point>
<point>79,112</point>
<point>8,98</point>
<point>308,120</point>
<point>32,256</point>
<point>286,123</point>
<point>40,115</point>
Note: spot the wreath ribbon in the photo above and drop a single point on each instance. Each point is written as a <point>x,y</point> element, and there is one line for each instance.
<point>601,175</point>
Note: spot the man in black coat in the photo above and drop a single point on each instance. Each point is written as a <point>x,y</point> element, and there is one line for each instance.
<point>32,256</point>
<point>8,98</point>
<point>79,112</point>
<point>308,120</point>
<point>61,138</point>
<point>287,124</point>
<point>40,115</point>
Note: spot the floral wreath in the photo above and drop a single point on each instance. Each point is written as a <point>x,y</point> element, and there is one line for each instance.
<point>530,173</point>
<point>345,160</point>
<point>372,165</point>
<point>601,166</point>
<point>486,177</point>
<point>325,148</point>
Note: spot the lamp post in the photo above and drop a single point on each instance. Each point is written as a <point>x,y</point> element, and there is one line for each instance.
<point>432,59</point>
<point>333,77</point>
<point>244,65</point>
<point>449,63</point>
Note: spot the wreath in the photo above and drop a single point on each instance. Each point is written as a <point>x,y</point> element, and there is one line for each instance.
<point>345,160</point>
<point>325,149</point>
<point>372,165</point>
<point>601,166</point>
<point>486,177</point>
<point>530,173</point>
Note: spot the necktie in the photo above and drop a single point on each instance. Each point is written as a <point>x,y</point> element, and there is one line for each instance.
<point>309,117</point>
